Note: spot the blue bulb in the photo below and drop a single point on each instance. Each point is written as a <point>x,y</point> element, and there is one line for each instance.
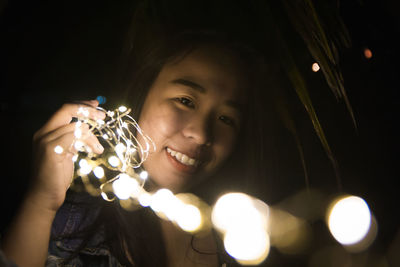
<point>101,99</point>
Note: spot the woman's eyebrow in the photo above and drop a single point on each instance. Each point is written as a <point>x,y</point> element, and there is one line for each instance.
<point>236,105</point>
<point>201,89</point>
<point>190,84</point>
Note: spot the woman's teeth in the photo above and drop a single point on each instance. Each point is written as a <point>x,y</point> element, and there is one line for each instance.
<point>182,158</point>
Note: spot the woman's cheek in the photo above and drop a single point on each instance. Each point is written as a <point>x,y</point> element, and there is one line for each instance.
<point>171,121</point>
<point>225,142</point>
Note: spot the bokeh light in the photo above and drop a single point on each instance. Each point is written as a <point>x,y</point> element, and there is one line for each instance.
<point>122,109</point>
<point>189,218</point>
<point>161,199</point>
<point>113,161</point>
<point>367,53</point>
<point>85,167</point>
<point>101,99</point>
<point>58,149</point>
<point>249,246</point>
<point>236,209</point>
<point>349,220</point>
<point>243,220</point>
<point>125,186</point>
<point>315,67</point>
<point>144,199</point>
<point>143,175</point>
<point>288,233</point>
<point>98,172</point>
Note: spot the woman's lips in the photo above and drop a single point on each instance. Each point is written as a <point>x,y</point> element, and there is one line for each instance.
<point>180,166</point>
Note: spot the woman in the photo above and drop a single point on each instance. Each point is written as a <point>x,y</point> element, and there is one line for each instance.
<point>195,96</point>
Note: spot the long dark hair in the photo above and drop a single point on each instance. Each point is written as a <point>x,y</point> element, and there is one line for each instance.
<point>136,235</point>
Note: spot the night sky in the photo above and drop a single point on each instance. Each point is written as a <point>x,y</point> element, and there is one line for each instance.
<point>51,53</point>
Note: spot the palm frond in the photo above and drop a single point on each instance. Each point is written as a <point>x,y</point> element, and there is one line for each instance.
<point>304,18</point>
<point>323,48</point>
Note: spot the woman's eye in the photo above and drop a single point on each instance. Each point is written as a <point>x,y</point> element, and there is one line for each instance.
<point>227,120</point>
<point>186,102</point>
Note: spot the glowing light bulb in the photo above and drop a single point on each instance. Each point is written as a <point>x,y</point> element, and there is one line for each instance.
<point>349,220</point>
<point>78,145</point>
<point>189,218</point>
<point>101,99</point>
<point>58,150</point>
<point>161,200</point>
<point>237,210</point>
<point>113,161</point>
<point>74,158</point>
<point>144,199</point>
<point>100,122</point>
<point>83,111</point>
<point>105,136</point>
<point>125,186</point>
<point>85,167</point>
<point>78,133</point>
<point>248,246</point>
<point>143,175</point>
<point>98,172</point>
<point>122,109</point>
<point>315,67</point>
<point>120,148</point>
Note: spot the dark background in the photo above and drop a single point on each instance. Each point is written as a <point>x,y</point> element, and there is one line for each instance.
<point>52,52</point>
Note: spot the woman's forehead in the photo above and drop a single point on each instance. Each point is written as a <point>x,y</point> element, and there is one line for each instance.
<point>213,68</point>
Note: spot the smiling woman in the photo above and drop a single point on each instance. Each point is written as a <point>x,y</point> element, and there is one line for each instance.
<point>192,116</point>
<point>195,97</point>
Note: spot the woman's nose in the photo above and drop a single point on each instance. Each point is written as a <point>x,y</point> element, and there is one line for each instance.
<point>199,129</point>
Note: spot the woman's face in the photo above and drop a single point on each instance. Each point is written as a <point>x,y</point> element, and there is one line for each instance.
<point>193,114</point>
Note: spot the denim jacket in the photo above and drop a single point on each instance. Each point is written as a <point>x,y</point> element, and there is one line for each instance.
<point>71,217</point>
<point>74,216</point>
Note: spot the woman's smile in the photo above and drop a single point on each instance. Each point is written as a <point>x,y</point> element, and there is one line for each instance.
<point>181,161</point>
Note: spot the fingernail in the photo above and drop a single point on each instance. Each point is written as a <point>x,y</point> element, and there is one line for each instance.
<point>100,148</point>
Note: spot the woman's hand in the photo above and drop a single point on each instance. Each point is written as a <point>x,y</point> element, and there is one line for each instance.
<point>52,172</point>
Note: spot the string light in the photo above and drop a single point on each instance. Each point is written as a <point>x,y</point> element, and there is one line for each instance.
<point>114,161</point>
<point>144,175</point>
<point>244,222</point>
<point>58,150</point>
<point>98,172</point>
<point>119,134</point>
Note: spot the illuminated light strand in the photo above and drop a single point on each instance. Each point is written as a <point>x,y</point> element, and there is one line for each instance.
<point>241,220</point>
<point>124,154</point>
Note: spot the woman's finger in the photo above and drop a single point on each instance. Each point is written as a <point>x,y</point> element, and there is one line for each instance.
<point>68,144</point>
<point>92,142</point>
<point>71,127</point>
<point>65,114</point>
